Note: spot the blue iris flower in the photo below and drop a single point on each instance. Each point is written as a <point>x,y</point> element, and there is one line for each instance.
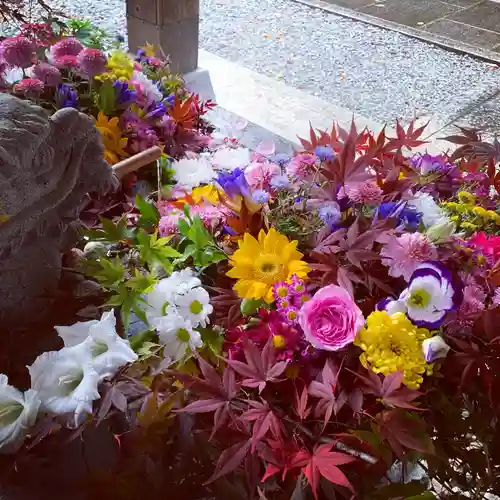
<point>234,183</point>
<point>123,95</point>
<point>406,215</point>
<point>66,97</point>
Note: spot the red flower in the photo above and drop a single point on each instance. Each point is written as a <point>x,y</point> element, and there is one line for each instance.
<point>488,245</point>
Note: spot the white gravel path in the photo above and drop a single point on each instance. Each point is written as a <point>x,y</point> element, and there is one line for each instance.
<point>377,73</point>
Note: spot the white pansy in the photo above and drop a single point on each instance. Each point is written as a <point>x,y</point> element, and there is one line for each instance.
<point>191,172</point>
<point>195,306</point>
<point>231,158</point>
<point>108,350</point>
<point>66,382</point>
<point>18,413</point>
<point>434,348</point>
<point>147,86</point>
<point>178,336</point>
<point>432,213</point>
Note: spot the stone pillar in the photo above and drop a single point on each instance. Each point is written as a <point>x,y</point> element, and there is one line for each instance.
<point>172,25</point>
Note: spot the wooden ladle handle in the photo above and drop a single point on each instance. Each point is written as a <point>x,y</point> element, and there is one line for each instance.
<point>134,163</point>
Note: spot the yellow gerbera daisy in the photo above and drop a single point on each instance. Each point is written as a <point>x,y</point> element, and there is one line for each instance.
<point>111,138</point>
<point>257,265</point>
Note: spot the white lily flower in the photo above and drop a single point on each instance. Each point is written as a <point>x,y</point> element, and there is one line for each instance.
<point>18,413</point>
<point>66,381</point>
<point>194,306</point>
<point>178,336</point>
<point>108,350</point>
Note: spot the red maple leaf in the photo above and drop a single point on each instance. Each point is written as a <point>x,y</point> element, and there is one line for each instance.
<point>260,367</point>
<point>322,462</point>
<point>264,420</point>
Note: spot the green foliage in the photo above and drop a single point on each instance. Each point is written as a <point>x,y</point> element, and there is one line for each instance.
<point>106,98</point>
<point>155,251</point>
<point>149,213</point>
<point>110,232</point>
<point>91,36</point>
<point>197,243</point>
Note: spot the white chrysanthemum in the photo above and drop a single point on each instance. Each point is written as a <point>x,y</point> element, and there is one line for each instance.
<point>431,212</point>
<point>178,336</point>
<point>231,158</point>
<point>18,413</point>
<point>66,382</point>
<point>191,172</point>
<point>108,350</point>
<point>12,75</point>
<point>194,306</point>
<point>161,300</point>
<point>147,86</point>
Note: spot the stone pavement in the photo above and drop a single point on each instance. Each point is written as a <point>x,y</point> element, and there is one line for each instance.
<point>471,26</point>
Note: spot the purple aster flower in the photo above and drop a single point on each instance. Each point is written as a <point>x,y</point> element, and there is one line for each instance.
<point>280,159</point>
<point>280,182</point>
<point>233,183</point>
<point>281,291</point>
<point>260,196</point>
<point>330,213</point>
<point>66,97</point>
<point>290,315</point>
<point>155,110</point>
<point>123,95</point>
<point>427,163</point>
<point>324,153</point>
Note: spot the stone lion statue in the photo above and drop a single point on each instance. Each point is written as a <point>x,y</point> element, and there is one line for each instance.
<point>47,165</point>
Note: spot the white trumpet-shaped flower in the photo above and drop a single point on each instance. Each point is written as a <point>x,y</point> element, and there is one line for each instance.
<point>107,349</point>
<point>18,412</point>
<point>66,382</point>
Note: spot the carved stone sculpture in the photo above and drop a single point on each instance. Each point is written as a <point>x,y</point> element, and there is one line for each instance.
<point>47,165</point>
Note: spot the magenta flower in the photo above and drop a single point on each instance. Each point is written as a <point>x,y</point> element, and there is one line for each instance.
<point>402,254</point>
<point>66,62</point>
<point>31,87</point>
<point>92,62</point>
<point>367,193</point>
<point>18,51</point>
<point>66,47</point>
<point>258,175</point>
<point>46,73</point>
<point>171,215</point>
<point>331,319</point>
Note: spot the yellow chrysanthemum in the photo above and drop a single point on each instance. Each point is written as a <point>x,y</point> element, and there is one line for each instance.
<point>120,64</point>
<point>205,193</point>
<point>257,265</point>
<point>111,138</point>
<point>466,198</point>
<point>392,343</point>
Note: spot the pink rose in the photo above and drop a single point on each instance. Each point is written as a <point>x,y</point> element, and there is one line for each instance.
<point>331,319</point>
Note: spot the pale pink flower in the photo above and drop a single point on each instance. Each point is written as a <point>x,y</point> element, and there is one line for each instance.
<point>367,192</point>
<point>496,297</point>
<point>92,62</point>
<point>68,46</point>
<point>331,319</point>
<point>47,73</point>
<point>259,175</point>
<point>302,165</point>
<point>402,254</point>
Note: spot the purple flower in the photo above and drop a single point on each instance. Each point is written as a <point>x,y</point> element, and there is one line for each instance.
<point>427,163</point>
<point>155,110</point>
<point>260,196</point>
<point>330,213</point>
<point>66,97</point>
<point>233,183</point>
<point>123,95</point>
<point>406,214</point>
<point>324,153</point>
<point>434,348</point>
<point>280,159</point>
<point>280,182</point>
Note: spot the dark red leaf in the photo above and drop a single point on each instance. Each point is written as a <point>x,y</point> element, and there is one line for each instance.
<point>230,460</point>
<point>202,406</point>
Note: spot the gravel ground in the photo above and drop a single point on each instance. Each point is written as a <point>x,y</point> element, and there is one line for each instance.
<point>380,74</point>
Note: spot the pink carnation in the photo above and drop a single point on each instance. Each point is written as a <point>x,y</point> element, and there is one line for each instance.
<point>259,175</point>
<point>92,62</point>
<point>368,193</point>
<point>18,51</point>
<point>66,47</point>
<point>301,165</point>
<point>331,319</point>
<point>47,73</point>
<point>209,215</point>
<point>29,86</point>
<point>402,254</point>
<point>66,62</point>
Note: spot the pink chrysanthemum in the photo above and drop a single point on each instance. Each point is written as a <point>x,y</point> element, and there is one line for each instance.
<point>301,165</point>
<point>496,297</point>
<point>281,290</point>
<point>259,175</point>
<point>66,47</point>
<point>46,73</point>
<point>29,86</point>
<point>66,62</point>
<point>18,51</point>
<point>92,62</point>
<point>290,315</point>
<point>402,254</point>
<point>368,193</point>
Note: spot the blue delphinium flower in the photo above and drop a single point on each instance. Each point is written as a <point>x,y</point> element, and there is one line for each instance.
<point>324,153</point>
<point>280,159</point>
<point>123,95</point>
<point>260,196</point>
<point>233,183</point>
<point>66,97</point>
<point>406,214</point>
<point>280,182</point>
